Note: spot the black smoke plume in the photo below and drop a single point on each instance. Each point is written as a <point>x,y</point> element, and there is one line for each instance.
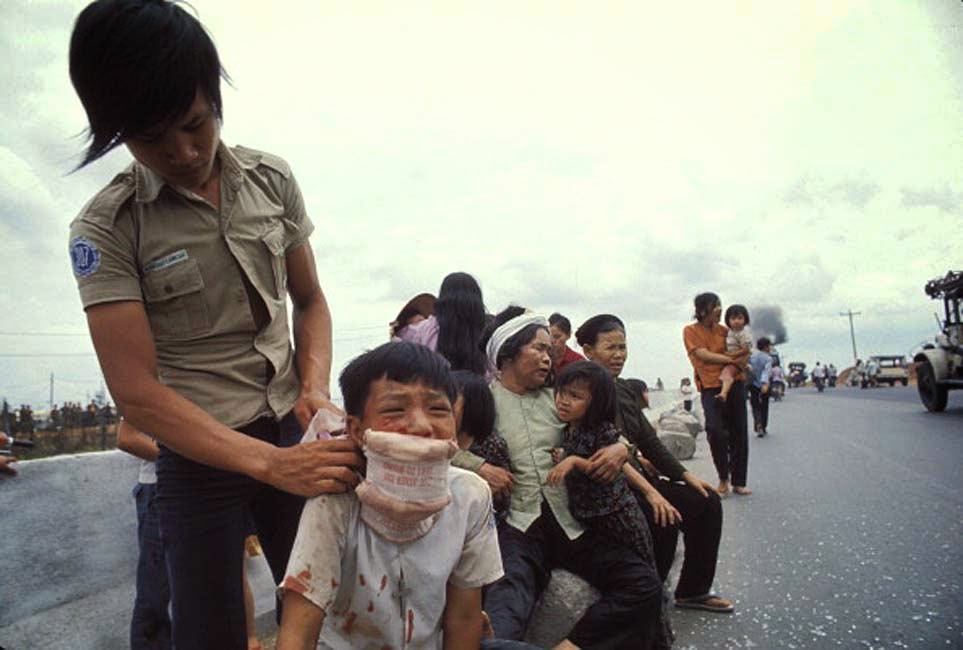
<point>767,321</point>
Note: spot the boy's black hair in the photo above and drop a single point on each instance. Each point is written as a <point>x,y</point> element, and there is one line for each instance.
<point>638,387</point>
<point>704,303</point>
<point>763,343</point>
<point>478,413</point>
<point>517,341</point>
<point>561,323</point>
<point>588,333</point>
<point>460,311</point>
<point>399,361</point>
<point>137,65</point>
<point>601,386</point>
<point>737,310</point>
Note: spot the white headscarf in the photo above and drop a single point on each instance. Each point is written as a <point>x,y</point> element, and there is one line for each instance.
<point>510,329</point>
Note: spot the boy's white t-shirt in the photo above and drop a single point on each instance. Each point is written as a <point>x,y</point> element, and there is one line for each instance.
<point>377,593</point>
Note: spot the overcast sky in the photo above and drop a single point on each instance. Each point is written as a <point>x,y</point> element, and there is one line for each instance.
<point>579,157</point>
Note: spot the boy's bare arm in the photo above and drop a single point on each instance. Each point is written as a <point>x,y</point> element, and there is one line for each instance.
<point>301,622</point>
<point>462,623</point>
<point>136,443</point>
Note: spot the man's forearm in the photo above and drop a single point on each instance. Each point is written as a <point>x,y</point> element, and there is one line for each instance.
<point>312,345</point>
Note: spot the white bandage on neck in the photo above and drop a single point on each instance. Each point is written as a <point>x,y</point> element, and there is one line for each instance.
<point>406,483</point>
<point>509,329</point>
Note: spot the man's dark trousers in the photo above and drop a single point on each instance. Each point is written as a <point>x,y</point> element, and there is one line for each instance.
<point>760,408</point>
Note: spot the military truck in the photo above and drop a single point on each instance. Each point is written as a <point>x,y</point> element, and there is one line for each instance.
<point>891,369</point>
<point>939,366</point>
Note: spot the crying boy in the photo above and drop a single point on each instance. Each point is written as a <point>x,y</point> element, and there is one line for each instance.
<point>400,561</point>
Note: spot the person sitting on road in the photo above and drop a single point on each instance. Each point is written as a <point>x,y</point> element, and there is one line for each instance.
<point>681,500</point>
<point>541,532</point>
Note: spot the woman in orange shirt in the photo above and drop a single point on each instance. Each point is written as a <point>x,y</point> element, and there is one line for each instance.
<point>726,423</point>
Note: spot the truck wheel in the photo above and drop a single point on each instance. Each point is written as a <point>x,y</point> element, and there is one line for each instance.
<point>932,394</point>
<point>904,381</point>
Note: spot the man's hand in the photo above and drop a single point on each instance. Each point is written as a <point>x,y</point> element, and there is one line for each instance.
<point>606,464</point>
<point>647,465</point>
<point>664,512</point>
<point>698,484</point>
<point>499,479</point>
<point>765,389</point>
<point>313,468</point>
<point>310,402</point>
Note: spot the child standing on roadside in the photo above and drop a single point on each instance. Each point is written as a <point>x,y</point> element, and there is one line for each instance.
<point>685,388</point>
<point>739,338</point>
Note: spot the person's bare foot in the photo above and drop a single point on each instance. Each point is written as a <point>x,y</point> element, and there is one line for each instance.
<point>743,490</point>
<point>723,488</point>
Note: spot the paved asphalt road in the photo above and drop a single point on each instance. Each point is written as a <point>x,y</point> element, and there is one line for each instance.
<point>852,538</point>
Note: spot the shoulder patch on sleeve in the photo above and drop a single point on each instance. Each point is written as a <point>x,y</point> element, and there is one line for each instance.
<point>254,156</point>
<point>84,256</point>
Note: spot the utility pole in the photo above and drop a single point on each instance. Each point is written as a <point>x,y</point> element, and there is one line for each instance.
<point>51,393</point>
<point>852,332</point>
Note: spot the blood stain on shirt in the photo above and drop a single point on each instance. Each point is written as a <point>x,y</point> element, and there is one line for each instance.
<point>334,583</point>
<point>411,626</point>
<point>361,580</point>
<point>294,585</point>
<point>384,583</point>
<point>348,622</point>
<point>370,606</point>
<point>305,575</point>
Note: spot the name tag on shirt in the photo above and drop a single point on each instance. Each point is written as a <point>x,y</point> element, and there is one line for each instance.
<point>167,261</point>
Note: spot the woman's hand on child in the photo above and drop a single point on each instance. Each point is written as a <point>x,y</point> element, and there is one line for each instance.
<point>605,465</point>
<point>557,455</point>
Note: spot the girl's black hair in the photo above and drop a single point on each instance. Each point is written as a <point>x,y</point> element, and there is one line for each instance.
<point>137,65</point>
<point>737,310</point>
<point>423,304</point>
<point>704,303</point>
<point>460,311</point>
<point>637,386</point>
<point>399,361</point>
<point>478,414</point>
<point>517,341</point>
<point>601,386</point>
<point>588,333</point>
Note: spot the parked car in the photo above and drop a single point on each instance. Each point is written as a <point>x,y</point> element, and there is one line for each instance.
<point>890,369</point>
<point>939,366</point>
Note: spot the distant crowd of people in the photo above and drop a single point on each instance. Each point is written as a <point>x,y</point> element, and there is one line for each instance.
<point>68,415</point>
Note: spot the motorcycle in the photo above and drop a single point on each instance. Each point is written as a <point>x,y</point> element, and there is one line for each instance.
<point>820,383</point>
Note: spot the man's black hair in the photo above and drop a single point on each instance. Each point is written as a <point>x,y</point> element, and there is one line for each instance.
<point>737,310</point>
<point>137,65</point>
<point>600,385</point>
<point>561,323</point>
<point>588,333</point>
<point>478,413</point>
<point>517,341</point>
<point>763,343</point>
<point>460,311</point>
<point>400,361</point>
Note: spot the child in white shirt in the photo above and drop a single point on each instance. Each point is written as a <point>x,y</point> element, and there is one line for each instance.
<point>401,561</point>
<point>738,338</point>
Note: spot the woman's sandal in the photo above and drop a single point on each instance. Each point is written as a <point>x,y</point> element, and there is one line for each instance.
<point>707,603</point>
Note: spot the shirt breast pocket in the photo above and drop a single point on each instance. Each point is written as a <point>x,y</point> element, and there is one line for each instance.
<point>175,302</point>
<point>274,241</point>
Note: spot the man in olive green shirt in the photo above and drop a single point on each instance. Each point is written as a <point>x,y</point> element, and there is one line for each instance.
<point>184,263</point>
<point>540,532</point>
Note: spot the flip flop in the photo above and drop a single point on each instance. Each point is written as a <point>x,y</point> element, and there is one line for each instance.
<point>705,604</point>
